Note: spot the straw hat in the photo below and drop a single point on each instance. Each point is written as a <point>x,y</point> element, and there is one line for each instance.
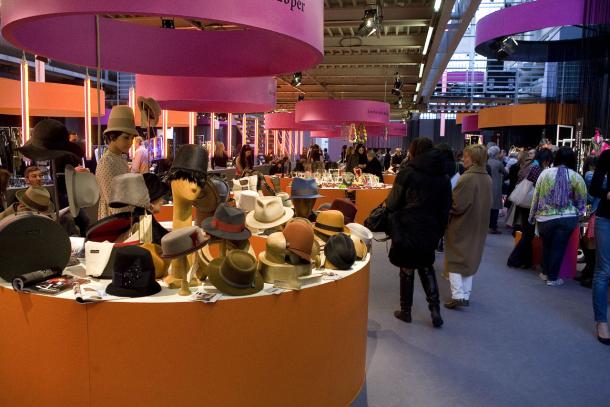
<point>275,249</point>
<point>330,223</point>
<point>82,188</point>
<point>36,199</point>
<point>183,241</point>
<point>129,190</point>
<point>285,199</point>
<point>236,274</point>
<point>121,119</point>
<point>268,213</point>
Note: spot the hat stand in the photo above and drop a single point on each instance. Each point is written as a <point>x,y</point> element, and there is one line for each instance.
<point>55,190</point>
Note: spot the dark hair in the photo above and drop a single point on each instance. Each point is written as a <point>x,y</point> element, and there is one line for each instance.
<point>246,162</point>
<point>566,156</point>
<point>185,175</point>
<point>544,155</point>
<point>419,146</point>
<point>5,176</point>
<point>112,136</point>
<point>31,169</point>
<point>358,148</point>
<point>591,161</point>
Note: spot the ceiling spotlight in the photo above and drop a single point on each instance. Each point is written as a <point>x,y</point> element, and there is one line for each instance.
<point>297,79</point>
<point>506,47</point>
<point>371,22</point>
<point>399,102</point>
<point>397,86</point>
<point>301,97</point>
<point>168,23</point>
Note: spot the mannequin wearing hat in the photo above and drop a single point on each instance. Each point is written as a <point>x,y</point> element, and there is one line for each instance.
<point>304,193</point>
<point>119,136</point>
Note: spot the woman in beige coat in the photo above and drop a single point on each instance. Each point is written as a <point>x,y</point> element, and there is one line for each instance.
<point>468,225</point>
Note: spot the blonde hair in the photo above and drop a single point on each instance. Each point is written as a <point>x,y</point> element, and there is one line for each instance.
<point>219,149</point>
<point>138,140</point>
<point>478,154</point>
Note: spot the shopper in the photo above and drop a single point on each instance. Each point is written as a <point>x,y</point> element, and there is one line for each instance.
<point>601,276</point>
<point>351,159</point>
<point>559,199</point>
<point>244,161</point>
<point>468,225</point>
<point>373,166</point>
<point>220,157</point>
<point>33,176</point>
<point>141,159</point>
<point>5,177</point>
<point>498,173</point>
<point>361,154</point>
<point>419,203</point>
<point>387,160</point>
<point>343,153</point>
<point>398,157</point>
<point>119,136</point>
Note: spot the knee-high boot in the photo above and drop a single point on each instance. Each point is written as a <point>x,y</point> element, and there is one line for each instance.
<point>406,294</point>
<point>428,281</point>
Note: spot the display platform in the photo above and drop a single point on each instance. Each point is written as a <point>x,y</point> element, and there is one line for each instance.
<point>298,348</point>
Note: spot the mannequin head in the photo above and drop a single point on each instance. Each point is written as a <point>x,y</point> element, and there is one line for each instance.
<point>185,189</point>
<point>303,207</point>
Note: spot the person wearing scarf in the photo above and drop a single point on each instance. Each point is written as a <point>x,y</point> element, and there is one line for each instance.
<point>559,200</point>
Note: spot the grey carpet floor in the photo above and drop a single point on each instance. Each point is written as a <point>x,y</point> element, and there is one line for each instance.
<point>520,343</point>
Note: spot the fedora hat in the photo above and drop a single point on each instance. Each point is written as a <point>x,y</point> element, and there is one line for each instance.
<point>361,249</point>
<point>50,139</point>
<point>214,192</point>
<point>285,199</point>
<point>161,264</point>
<point>121,119</point>
<point>346,207</point>
<point>183,241</point>
<point>192,159</point>
<point>362,232</point>
<point>129,190</point>
<point>150,112</point>
<point>302,188</point>
<point>275,249</point>
<point>156,188</point>
<point>134,273</point>
<point>228,223</point>
<point>330,223</point>
<point>36,199</point>
<point>236,274</point>
<point>268,213</point>
<point>299,239</point>
<point>82,189</point>
<point>340,252</point>
<point>246,200</point>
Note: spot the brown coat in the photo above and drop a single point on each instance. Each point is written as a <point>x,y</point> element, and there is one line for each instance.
<point>468,222</point>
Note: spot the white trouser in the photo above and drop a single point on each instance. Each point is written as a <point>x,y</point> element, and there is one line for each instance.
<point>460,286</point>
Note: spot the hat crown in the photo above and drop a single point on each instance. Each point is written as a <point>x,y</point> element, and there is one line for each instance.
<point>38,195</point>
<point>121,119</point>
<point>299,236</point>
<point>269,209</point>
<point>83,188</point>
<point>331,217</point>
<point>340,251</point>
<point>230,214</point>
<point>346,207</point>
<point>246,200</point>
<point>133,268</point>
<point>129,189</point>
<point>191,158</point>
<point>238,268</point>
<point>182,241</point>
<point>275,248</point>
<point>50,130</point>
<point>303,187</point>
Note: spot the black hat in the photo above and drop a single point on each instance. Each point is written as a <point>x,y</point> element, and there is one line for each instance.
<point>50,139</point>
<point>340,251</point>
<point>228,223</point>
<point>133,273</point>
<point>192,159</point>
<point>156,188</point>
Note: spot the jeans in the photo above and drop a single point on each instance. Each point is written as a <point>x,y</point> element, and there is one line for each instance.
<point>493,219</point>
<point>602,269</point>
<point>460,286</point>
<point>555,236</point>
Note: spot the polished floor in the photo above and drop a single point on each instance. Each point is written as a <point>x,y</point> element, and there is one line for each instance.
<point>520,343</point>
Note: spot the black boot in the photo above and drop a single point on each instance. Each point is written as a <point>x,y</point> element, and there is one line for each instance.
<point>428,282</point>
<point>586,277</point>
<point>406,295</point>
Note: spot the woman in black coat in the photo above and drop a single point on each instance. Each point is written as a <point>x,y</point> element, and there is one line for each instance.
<point>419,206</point>
<point>373,166</point>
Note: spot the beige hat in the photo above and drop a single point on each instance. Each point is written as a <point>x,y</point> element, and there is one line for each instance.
<point>129,189</point>
<point>275,249</point>
<point>121,119</point>
<point>272,262</point>
<point>285,199</point>
<point>330,223</point>
<point>268,213</point>
<point>246,200</point>
<point>150,112</point>
<point>361,249</point>
<point>36,199</point>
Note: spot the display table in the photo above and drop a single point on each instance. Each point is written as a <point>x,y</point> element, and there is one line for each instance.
<point>299,348</point>
<point>389,178</point>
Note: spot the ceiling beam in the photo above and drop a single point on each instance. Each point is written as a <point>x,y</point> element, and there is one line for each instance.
<point>326,72</point>
<point>402,23</point>
<point>372,59</point>
<point>394,14</point>
<point>394,41</point>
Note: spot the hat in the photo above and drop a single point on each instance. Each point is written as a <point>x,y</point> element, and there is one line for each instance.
<point>346,207</point>
<point>50,139</point>
<point>246,200</point>
<point>161,264</point>
<point>362,232</point>
<point>236,274</point>
<point>340,252</point>
<point>82,188</point>
<point>275,249</point>
<point>129,189</point>
<point>268,213</point>
<point>214,192</point>
<point>304,189</point>
<point>36,199</point>
<point>299,239</point>
<point>183,241</point>
<point>134,273</point>
<point>156,188</point>
<point>361,249</point>
<point>330,223</point>
<point>121,119</point>
<point>111,227</point>
<point>285,199</point>
<point>150,112</point>
<point>228,223</point>
<point>192,159</point>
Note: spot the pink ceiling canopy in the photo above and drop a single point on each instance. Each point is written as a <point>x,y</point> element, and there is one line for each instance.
<point>219,95</point>
<point>285,121</point>
<point>395,129</point>
<point>263,37</point>
<point>343,111</point>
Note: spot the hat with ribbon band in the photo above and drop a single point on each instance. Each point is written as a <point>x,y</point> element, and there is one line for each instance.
<point>228,223</point>
<point>330,223</point>
<point>236,274</point>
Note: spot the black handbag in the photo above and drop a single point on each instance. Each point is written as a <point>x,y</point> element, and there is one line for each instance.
<point>378,220</point>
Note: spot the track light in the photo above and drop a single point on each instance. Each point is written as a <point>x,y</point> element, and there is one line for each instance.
<point>168,23</point>
<point>301,97</point>
<point>399,102</point>
<point>397,86</point>
<point>371,22</point>
<point>297,79</point>
<point>506,47</point>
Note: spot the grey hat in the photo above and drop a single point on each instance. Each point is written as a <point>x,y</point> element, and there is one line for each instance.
<point>129,189</point>
<point>183,241</point>
<point>83,191</point>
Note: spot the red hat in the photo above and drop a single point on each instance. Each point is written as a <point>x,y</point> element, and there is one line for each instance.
<point>346,207</point>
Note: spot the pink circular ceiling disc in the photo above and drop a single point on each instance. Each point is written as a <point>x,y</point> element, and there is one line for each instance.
<point>285,121</point>
<point>342,111</point>
<point>395,129</point>
<point>259,37</point>
<point>219,95</point>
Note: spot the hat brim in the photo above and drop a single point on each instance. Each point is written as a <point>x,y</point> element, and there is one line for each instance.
<point>255,224</point>
<point>210,230</point>
<point>19,196</point>
<point>132,131</point>
<point>330,232</point>
<point>262,257</point>
<point>221,285</point>
<point>132,292</point>
<point>187,252</point>
<point>42,154</point>
<point>305,196</point>
<point>302,254</point>
<point>364,235</point>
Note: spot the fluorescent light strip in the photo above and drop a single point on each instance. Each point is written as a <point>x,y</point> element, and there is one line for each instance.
<point>132,103</point>
<point>25,101</point>
<point>421,69</point>
<point>229,133</point>
<point>213,132</point>
<point>191,128</point>
<point>415,98</point>
<point>428,38</point>
<point>88,141</point>
<point>165,130</point>
<point>437,5</point>
<point>256,138</point>
<point>418,86</point>
<point>244,133</point>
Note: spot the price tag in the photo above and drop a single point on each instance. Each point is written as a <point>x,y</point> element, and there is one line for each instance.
<point>275,290</point>
<point>331,276</point>
<point>207,298</point>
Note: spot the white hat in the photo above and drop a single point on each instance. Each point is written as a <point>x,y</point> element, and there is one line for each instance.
<point>246,200</point>
<point>82,188</point>
<point>361,232</point>
<point>268,213</point>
